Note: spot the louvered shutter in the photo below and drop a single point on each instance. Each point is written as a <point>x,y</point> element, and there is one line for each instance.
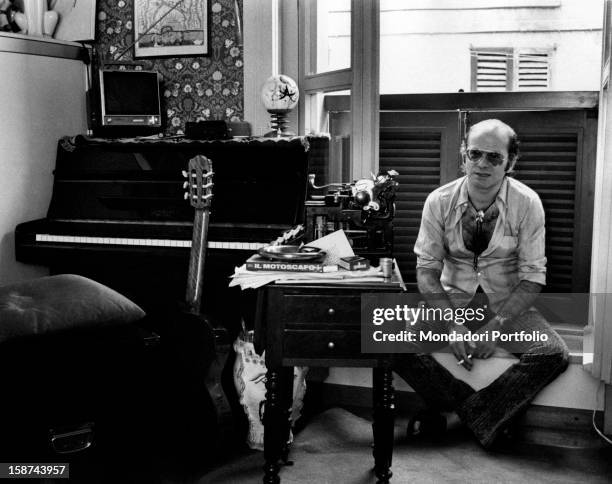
<point>416,155</point>
<point>533,71</point>
<point>548,165</point>
<point>492,70</point>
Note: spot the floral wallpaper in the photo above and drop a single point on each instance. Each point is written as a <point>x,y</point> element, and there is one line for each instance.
<point>196,88</point>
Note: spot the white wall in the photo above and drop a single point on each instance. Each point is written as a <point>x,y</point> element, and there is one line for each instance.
<point>441,63</point>
<point>42,99</point>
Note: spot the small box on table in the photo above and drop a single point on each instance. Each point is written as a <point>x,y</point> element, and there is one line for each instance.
<point>354,263</point>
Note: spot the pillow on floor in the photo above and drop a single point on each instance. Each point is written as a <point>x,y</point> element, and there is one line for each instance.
<point>62,302</point>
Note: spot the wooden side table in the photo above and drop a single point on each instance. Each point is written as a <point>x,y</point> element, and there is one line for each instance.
<point>318,325</point>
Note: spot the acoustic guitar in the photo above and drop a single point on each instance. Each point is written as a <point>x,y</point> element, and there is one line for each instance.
<point>199,192</point>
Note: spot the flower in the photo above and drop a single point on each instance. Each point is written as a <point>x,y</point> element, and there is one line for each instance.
<point>110,31</point>
<point>121,4</point>
<point>187,89</point>
<point>238,63</point>
<point>167,93</point>
<point>228,43</point>
<point>217,76</point>
<point>216,7</point>
<point>102,15</point>
<point>228,112</point>
<point>128,25</point>
<point>176,121</point>
<point>209,92</point>
<point>225,23</point>
<point>195,65</point>
<point>226,92</point>
<point>206,113</point>
<point>178,66</point>
<point>234,51</point>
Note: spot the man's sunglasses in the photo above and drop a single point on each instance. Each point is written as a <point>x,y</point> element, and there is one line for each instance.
<point>492,157</point>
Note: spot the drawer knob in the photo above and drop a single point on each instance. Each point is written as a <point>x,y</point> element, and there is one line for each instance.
<point>331,311</point>
<point>331,345</point>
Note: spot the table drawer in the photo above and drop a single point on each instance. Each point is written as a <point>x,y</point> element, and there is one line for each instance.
<point>301,309</point>
<point>321,344</point>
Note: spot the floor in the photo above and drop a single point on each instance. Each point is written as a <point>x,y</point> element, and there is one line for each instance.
<point>335,448</point>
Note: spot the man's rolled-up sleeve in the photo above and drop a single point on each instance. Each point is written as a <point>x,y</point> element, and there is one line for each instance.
<point>429,247</point>
<point>532,244</point>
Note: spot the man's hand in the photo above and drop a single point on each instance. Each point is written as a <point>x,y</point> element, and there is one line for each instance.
<point>461,349</point>
<point>486,347</point>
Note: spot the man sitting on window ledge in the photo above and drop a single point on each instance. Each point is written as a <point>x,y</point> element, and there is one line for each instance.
<point>482,236</point>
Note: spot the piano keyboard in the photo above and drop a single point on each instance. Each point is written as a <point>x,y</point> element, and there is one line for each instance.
<point>75,239</point>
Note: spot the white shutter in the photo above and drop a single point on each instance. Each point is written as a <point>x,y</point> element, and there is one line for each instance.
<point>533,71</point>
<point>491,71</point>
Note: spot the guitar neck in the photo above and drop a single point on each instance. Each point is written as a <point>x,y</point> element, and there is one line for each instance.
<point>197,258</point>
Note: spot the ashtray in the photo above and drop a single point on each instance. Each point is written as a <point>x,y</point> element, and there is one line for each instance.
<point>291,253</point>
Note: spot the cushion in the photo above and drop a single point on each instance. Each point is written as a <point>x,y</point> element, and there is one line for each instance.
<point>58,303</point>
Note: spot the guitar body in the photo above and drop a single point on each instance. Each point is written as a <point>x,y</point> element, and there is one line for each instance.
<point>199,192</point>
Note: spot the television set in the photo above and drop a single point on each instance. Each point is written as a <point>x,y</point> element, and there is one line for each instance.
<point>130,102</point>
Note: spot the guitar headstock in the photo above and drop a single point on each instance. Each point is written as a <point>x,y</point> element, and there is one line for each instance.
<point>199,182</point>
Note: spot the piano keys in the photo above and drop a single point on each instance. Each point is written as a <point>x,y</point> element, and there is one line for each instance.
<point>212,244</point>
<point>117,212</point>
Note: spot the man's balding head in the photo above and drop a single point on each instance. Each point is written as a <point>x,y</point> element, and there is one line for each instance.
<point>500,129</point>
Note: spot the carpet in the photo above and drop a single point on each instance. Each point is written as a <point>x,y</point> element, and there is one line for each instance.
<point>335,449</point>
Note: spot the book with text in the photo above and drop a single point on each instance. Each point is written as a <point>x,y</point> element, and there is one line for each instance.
<point>258,263</point>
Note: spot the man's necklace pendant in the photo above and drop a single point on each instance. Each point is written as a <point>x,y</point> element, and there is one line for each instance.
<point>479,216</point>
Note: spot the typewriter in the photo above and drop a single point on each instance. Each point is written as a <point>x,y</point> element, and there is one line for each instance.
<point>364,209</point>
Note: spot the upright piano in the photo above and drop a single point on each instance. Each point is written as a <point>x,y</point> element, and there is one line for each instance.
<point>117,213</point>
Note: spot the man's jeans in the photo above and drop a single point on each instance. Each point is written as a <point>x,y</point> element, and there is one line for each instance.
<point>486,412</point>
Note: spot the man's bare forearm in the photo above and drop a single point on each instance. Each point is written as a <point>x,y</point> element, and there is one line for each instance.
<point>428,281</point>
<point>522,298</point>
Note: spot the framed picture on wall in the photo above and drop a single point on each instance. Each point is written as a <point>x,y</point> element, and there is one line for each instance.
<point>171,28</point>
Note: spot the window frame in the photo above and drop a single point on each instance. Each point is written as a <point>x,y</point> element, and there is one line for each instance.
<point>361,78</point>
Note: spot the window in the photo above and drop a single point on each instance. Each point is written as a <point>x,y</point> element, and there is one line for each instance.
<point>338,42</point>
<point>507,69</point>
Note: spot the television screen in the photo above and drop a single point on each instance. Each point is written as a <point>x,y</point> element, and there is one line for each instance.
<point>130,93</point>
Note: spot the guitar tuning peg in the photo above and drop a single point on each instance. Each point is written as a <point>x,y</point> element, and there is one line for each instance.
<point>208,185</point>
<point>185,184</point>
<point>184,174</point>
<point>186,195</point>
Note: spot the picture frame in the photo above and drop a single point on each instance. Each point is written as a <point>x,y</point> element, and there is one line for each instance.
<point>179,29</point>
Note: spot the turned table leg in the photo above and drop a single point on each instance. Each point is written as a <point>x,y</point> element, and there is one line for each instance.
<point>279,386</point>
<point>384,420</point>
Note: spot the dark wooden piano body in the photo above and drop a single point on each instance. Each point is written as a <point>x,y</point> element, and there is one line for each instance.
<point>118,208</point>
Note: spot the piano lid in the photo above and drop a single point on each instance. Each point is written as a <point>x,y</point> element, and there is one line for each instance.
<point>259,181</point>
